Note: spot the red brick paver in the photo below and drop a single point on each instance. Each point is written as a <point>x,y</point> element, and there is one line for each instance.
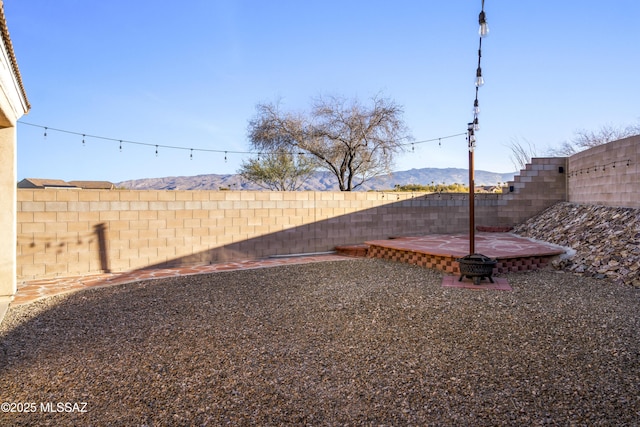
<point>513,253</point>
<point>34,290</point>
<point>435,251</point>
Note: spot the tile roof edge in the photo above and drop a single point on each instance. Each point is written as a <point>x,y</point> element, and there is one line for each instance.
<point>4,32</point>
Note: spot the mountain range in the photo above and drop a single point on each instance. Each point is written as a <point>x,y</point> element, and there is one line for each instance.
<point>321,181</point>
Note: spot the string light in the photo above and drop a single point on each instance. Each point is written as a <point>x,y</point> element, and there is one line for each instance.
<point>83,139</point>
<point>208,150</point>
<point>474,126</point>
<point>479,78</point>
<point>434,139</point>
<point>597,168</point>
<point>125,141</point>
<point>482,19</point>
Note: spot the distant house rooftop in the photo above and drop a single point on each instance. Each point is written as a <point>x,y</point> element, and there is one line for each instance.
<point>44,183</point>
<point>94,185</point>
<point>58,183</point>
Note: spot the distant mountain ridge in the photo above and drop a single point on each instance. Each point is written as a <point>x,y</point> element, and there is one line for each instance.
<point>321,181</point>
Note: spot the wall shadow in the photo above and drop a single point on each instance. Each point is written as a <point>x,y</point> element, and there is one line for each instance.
<point>94,243</point>
<point>100,231</point>
<point>96,251</point>
<point>436,214</point>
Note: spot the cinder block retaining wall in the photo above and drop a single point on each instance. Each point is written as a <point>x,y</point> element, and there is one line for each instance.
<point>607,175</point>
<point>540,185</point>
<point>74,232</point>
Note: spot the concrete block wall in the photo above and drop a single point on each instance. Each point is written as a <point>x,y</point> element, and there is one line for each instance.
<point>68,232</point>
<point>607,175</point>
<point>540,185</point>
<point>64,232</point>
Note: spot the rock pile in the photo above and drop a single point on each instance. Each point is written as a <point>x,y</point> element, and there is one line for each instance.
<point>606,239</point>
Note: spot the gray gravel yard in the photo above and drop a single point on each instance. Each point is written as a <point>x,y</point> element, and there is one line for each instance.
<point>357,342</point>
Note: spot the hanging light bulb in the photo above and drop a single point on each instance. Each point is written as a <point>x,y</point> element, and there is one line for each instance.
<point>479,79</point>
<point>476,107</point>
<point>484,28</point>
<point>476,124</point>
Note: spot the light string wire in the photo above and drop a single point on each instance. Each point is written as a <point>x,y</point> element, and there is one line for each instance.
<point>600,168</point>
<point>126,141</point>
<point>191,150</point>
<point>474,126</point>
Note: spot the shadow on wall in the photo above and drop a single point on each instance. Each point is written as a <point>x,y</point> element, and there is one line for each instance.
<point>440,214</point>
<point>103,250</point>
<point>94,247</point>
<point>58,248</point>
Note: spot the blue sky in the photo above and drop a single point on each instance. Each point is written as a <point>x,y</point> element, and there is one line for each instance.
<point>190,73</point>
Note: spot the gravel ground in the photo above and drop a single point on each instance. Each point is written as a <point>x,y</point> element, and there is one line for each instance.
<point>358,342</point>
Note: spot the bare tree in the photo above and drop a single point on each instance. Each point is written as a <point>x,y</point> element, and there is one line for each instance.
<point>353,141</point>
<point>565,149</point>
<point>521,152</point>
<point>585,139</point>
<point>281,170</point>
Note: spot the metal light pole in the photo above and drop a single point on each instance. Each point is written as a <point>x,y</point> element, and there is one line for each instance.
<point>472,184</point>
<point>471,128</point>
<point>475,266</point>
